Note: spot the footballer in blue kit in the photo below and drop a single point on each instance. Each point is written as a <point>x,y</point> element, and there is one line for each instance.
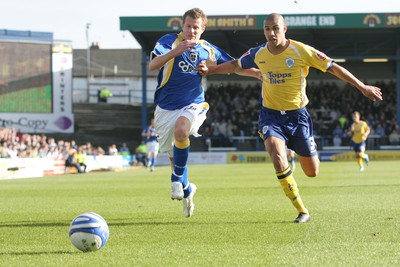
<point>180,72</point>
<point>182,58</point>
<point>150,137</point>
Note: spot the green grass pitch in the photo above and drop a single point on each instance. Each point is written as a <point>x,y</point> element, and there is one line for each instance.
<point>242,218</point>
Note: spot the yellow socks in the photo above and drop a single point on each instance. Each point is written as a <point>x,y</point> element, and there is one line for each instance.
<point>360,161</point>
<point>289,186</point>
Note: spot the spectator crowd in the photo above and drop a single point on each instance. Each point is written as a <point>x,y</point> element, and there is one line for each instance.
<point>234,113</point>
<point>15,144</point>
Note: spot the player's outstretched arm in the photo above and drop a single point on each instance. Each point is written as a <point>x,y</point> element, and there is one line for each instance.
<point>224,68</point>
<point>253,72</point>
<point>232,67</point>
<point>372,92</point>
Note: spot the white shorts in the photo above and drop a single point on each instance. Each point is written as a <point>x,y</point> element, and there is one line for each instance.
<point>152,147</point>
<point>164,121</point>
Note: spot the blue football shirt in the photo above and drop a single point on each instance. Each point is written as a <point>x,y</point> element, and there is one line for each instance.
<point>179,84</point>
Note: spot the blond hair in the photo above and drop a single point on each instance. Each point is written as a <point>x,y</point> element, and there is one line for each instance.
<point>195,13</point>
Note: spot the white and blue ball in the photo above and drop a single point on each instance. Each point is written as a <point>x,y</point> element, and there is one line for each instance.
<point>88,232</point>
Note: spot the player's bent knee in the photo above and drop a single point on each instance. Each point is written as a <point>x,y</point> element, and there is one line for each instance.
<point>181,136</point>
<point>310,166</point>
<point>311,173</point>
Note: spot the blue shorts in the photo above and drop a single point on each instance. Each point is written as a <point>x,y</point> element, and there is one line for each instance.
<point>358,147</point>
<point>294,127</point>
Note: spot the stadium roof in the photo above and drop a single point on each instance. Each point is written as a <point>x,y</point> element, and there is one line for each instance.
<point>27,36</point>
<point>349,37</point>
<point>341,36</point>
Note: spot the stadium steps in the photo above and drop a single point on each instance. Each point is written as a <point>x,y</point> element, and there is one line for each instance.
<point>103,124</point>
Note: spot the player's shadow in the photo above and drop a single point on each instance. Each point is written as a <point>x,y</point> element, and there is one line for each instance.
<point>158,223</point>
<point>131,221</point>
<point>36,224</point>
<point>32,253</point>
<point>32,224</point>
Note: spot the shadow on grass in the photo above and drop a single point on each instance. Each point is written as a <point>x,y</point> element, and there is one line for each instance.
<point>128,221</point>
<point>33,224</point>
<point>132,222</point>
<point>159,223</point>
<point>33,253</point>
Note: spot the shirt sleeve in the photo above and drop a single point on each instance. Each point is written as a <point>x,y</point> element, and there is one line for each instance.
<point>317,59</point>
<point>246,61</point>
<point>216,54</point>
<point>162,46</point>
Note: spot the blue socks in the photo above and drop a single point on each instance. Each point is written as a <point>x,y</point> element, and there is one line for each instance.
<point>180,172</point>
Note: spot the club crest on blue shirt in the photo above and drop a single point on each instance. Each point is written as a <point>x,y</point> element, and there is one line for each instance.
<point>289,62</point>
<point>193,57</point>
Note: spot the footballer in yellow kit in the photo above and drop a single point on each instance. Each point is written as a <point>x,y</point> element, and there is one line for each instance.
<point>284,84</point>
<point>284,121</point>
<point>283,114</point>
<point>359,131</point>
<point>284,96</point>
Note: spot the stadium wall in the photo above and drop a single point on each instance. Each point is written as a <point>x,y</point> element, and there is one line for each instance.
<point>263,157</point>
<point>40,167</point>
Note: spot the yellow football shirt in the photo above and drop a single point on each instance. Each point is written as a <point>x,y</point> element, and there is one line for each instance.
<point>358,130</point>
<point>284,75</point>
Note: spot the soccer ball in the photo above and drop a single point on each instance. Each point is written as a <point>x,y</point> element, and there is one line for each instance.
<point>88,232</point>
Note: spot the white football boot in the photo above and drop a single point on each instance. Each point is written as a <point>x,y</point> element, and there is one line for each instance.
<point>176,191</point>
<point>188,204</point>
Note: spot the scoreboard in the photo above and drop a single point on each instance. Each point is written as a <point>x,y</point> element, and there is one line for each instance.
<point>35,82</point>
<point>25,77</point>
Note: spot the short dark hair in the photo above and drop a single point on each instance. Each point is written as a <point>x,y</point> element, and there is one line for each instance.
<point>273,16</point>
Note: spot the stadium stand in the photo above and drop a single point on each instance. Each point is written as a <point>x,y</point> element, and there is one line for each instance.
<point>232,121</point>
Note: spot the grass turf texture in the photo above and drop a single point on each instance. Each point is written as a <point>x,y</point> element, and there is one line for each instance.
<point>242,218</point>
